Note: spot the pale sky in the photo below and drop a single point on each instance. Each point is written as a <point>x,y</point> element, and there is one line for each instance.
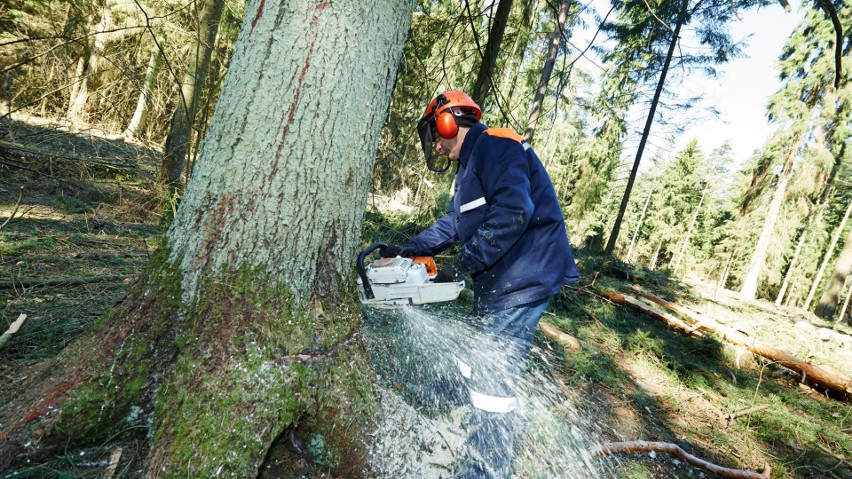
<point>744,86</point>
<point>739,92</point>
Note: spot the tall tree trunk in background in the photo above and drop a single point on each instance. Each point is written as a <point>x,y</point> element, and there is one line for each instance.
<point>638,227</point>
<point>829,252</point>
<point>794,264</point>
<point>845,307</point>
<point>613,237</point>
<point>137,123</point>
<point>758,257</point>
<point>516,58</point>
<point>547,71</point>
<point>87,68</point>
<point>653,264</point>
<point>485,77</point>
<point>180,131</point>
<point>244,322</point>
<point>689,233</point>
<point>827,305</point>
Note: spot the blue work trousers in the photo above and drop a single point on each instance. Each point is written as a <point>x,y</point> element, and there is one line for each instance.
<point>492,367</point>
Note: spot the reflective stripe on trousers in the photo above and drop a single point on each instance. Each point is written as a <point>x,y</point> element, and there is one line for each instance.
<point>491,369</point>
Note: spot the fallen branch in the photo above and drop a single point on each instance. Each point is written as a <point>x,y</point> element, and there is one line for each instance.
<point>643,307</point>
<point>829,378</point>
<point>14,211</point>
<point>675,450</point>
<point>13,328</point>
<point>734,415</point>
<point>60,282</point>
<point>100,161</point>
<point>567,341</point>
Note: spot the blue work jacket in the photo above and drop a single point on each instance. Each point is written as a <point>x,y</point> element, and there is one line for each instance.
<point>505,213</point>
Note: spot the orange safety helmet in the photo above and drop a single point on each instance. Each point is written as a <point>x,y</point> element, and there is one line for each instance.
<point>439,119</point>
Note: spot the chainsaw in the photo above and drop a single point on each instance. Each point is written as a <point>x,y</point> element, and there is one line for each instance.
<point>400,281</point>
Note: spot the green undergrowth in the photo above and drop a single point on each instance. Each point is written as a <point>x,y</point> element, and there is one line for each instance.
<point>796,432</point>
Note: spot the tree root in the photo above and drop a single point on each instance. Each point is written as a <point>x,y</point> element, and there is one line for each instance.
<point>677,451</point>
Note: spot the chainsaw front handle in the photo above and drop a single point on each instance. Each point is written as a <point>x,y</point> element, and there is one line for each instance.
<point>368,290</point>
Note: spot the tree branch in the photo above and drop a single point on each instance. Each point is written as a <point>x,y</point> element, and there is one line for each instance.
<point>677,451</point>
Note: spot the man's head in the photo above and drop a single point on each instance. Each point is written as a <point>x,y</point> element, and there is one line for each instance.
<point>446,121</point>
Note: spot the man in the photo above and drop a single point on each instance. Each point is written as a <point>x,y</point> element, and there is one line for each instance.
<point>506,216</point>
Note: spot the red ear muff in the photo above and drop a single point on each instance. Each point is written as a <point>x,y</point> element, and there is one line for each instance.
<point>446,125</point>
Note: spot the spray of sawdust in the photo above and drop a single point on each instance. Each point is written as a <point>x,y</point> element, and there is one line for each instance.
<point>424,411</point>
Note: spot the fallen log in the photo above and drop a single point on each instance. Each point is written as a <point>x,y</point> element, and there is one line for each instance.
<point>646,308</point>
<point>829,378</point>
<point>567,341</point>
<point>677,451</point>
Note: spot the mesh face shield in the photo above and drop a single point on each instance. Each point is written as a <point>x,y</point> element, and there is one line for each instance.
<point>428,132</point>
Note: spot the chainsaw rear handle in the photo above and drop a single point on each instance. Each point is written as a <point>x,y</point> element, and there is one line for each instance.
<point>368,290</point>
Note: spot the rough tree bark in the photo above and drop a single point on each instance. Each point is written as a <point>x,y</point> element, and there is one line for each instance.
<point>827,305</point>
<point>140,116</point>
<point>547,71</point>
<point>180,130</point>
<point>485,77</point>
<point>245,322</point>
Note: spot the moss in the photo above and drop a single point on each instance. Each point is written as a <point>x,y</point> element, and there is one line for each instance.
<point>96,408</point>
<point>240,378</point>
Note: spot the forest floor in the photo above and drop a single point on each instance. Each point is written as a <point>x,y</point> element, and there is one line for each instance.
<point>80,217</point>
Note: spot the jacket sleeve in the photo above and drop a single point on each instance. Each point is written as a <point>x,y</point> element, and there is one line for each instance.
<point>437,237</point>
<point>503,169</point>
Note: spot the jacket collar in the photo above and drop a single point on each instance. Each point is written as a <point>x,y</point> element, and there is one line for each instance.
<point>470,140</point>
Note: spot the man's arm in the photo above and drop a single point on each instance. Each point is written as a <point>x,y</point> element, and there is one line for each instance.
<point>505,176</point>
<point>437,237</point>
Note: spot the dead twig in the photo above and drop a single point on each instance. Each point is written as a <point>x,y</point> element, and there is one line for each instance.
<point>745,412</point>
<point>677,451</point>
<point>14,211</point>
<point>13,328</point>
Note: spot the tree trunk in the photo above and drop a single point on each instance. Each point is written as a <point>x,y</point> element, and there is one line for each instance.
<point>827,305</point>
<point>137,123</point>
<point>550,61</point>
<point>485,77</point>
<point>688,233</point>
<point>653,264</point>
<point>613,237</point>
<point>845,307</point>
<point>517,57</point>
<point>245,322</point>
<point>758,257</point>
<point>794,264</point>
<point>88,68</point>
<point>828,254</point>
<point>180,131</point>
<point>638,227</point>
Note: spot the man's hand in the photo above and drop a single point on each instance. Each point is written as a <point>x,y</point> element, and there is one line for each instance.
<point>450,273</point>
<point>392,251</point>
